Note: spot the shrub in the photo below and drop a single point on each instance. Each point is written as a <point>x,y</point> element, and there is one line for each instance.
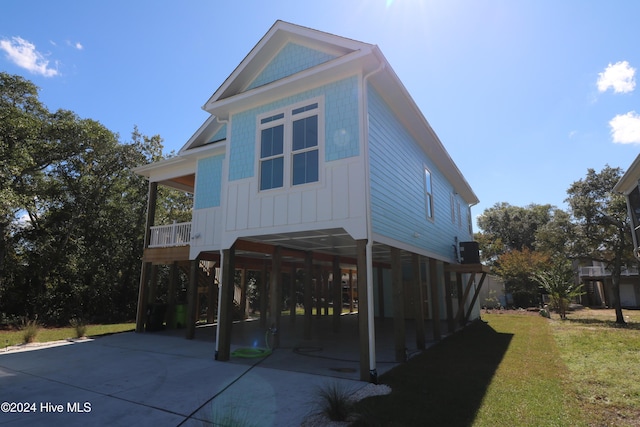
<point>79,326</point>
<point>335,402</point>
<point>29,330</point>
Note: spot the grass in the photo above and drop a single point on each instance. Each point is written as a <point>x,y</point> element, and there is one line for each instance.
<point>521,370</point>
<point>9,338</point>
<point>604,362</point>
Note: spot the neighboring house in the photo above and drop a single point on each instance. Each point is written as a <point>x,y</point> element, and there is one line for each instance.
<point>598,291</point>
<point>630,279</point>
<point>316,158</point>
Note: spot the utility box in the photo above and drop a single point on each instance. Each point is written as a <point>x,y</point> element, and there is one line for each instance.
<point>469,253</point>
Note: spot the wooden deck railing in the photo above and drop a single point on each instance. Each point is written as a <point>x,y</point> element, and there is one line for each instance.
<point>165,236</point>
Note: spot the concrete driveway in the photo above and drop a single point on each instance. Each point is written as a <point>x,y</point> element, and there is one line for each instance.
<point>160,380</point>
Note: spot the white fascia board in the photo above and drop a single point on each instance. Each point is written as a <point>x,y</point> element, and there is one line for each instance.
<point>269,45</point>
<point>409,113</point>
<point>167,169</point>
<point>206,150</point>
<point>211,121</point>
<point>629,180</point>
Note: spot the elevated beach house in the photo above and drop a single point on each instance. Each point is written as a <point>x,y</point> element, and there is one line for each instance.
<point>316,166</point>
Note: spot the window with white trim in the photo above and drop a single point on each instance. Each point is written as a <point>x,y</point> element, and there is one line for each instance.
<point>289,147</point>
<point>452,199</point>
<point>428,192</point>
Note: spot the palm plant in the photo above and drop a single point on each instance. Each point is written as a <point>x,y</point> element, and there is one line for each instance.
<point>558,280</point>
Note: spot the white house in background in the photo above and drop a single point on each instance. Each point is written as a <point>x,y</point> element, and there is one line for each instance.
<point>316,157</point>
<point>630,279</point>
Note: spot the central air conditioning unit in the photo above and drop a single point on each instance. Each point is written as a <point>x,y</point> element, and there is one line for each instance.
<point>469,253</point>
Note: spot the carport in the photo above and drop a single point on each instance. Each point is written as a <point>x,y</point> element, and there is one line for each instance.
<point>404,300</point>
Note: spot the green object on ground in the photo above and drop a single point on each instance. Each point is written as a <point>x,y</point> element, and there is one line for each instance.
<point>249,353</point>
<point>181,315</point>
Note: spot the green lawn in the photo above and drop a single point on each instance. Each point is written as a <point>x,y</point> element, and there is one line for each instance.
<point>604,364</point>
<point>9,338</point>
<point>519,370</point>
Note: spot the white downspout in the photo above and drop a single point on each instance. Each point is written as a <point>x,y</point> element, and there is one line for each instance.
<point>223,194</point>
<point>373,371</point>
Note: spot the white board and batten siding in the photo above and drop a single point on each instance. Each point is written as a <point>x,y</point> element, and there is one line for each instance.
<point>336,201</point>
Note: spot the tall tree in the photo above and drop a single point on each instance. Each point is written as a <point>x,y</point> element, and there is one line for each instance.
<point>71,211</point>
<point>506,227</point>
<point>602,227</point>
<point>518,268</point>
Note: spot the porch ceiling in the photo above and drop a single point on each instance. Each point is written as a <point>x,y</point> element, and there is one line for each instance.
<point>330,242</point>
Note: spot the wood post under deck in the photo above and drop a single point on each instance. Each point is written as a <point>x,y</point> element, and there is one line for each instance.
<point>142,292</point>
<point>363,309</point>
<point>225,314</point>
<point>337,293</point>
<point>399,332</point>
<point>192,299</point>
<point>435,299</point>
<point>472,269</point>
<point>308,272</point>
<point>276,295</point>
<point>418,301</point>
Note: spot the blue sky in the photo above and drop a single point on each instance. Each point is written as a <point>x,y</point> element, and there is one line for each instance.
<point>525,95</point>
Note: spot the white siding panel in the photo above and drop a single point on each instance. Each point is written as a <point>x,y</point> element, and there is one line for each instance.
<point>205,224</point>
<point>242,209</point>
<point>309,206</point>
<point>266,212</point>
<point>280,209</point>
<point>340,189</point>
<point>294,208</point>
<point>357,200</point>
<point>232,204</point>
<point>254,206</point>
<point>324,210</point>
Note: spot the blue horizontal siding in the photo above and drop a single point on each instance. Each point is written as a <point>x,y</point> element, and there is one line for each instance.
<point>398,202</point>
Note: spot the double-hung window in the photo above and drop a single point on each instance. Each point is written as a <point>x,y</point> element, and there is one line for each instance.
<point>428,192</point>
<point>289,147</point>
<point>272,152</point>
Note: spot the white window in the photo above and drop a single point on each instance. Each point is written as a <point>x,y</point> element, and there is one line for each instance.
<point>289,147</point>
<point>452,200</point>
<point>428,192</point>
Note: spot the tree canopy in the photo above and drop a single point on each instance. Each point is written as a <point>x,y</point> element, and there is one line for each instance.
<point>525,245</point>
<point>72,212</point>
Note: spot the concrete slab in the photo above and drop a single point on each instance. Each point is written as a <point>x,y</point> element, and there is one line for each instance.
<point>149,379</point>
<point>162,379</point>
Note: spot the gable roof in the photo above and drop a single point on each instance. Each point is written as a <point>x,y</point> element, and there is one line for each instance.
<point>278,36</point>
<point>337,56</point>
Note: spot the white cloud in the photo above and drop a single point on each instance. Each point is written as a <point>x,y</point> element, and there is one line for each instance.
<point>24,54</point>
<point>76,45</point>
<point>619,76</point>
<point>625,128</point>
